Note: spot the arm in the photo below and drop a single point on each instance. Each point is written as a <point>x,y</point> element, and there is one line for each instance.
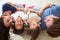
<point>34,11</point>
<point>19,9</point>
<point>43,8</point>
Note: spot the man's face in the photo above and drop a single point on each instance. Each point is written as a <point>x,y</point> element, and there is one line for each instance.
<point>19,23</point>
<point>7,13</point>
<point>49,20</point>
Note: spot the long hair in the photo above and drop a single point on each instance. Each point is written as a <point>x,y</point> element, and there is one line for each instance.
<point>4,31</point>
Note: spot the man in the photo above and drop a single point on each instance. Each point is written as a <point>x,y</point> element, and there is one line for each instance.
<point>8,9</point>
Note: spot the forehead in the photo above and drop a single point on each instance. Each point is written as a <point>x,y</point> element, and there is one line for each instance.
<point>51,16</point>
<point>8,11</point>
<point>34,22</point>
<point>19,18</point>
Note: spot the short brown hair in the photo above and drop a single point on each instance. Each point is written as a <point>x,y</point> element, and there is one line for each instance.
<point>54,30</point>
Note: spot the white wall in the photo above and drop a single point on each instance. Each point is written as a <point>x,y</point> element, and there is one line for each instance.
<point>57,2</point>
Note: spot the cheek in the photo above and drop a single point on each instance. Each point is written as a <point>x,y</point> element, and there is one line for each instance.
<point>16,23</point>
<point>18,26</point>
<point>19,23</point>
<point>7,24</point>
<point>48,24</point>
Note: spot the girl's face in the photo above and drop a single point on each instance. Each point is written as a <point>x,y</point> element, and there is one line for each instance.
<point>33,24</point>
<point>19,23</point>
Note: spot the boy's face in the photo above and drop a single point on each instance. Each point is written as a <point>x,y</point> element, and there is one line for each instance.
<point>7,13</point>
<point>49,20</point>
<point>19,23</point>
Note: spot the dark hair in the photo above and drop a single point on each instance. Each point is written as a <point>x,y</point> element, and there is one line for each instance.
<point>4,31</point>
<point>17,31</point>
<point>54,30</point>
<point>7,7</point>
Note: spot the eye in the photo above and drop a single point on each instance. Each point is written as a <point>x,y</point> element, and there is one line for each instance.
<point>46,20</point>
<point>33,24</point>
<point>7,20</point>
<point>18,21</point>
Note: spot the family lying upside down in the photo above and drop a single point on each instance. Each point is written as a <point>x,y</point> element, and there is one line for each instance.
<point>47,18</point>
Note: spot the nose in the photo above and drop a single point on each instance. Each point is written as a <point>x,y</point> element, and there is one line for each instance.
<point>45,20</point>
<point>20,22</point>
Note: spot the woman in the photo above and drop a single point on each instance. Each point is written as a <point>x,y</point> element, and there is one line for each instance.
<point>4,28</point>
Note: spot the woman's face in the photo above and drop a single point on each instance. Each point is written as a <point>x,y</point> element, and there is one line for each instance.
<point>49,20</point>
<point>7,20</point>
<point>19,23</point>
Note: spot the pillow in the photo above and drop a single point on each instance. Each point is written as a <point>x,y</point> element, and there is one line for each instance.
<point>37,8</point>
<point>21,14</point>
<point>33,16</point>
<point>20,5</point>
